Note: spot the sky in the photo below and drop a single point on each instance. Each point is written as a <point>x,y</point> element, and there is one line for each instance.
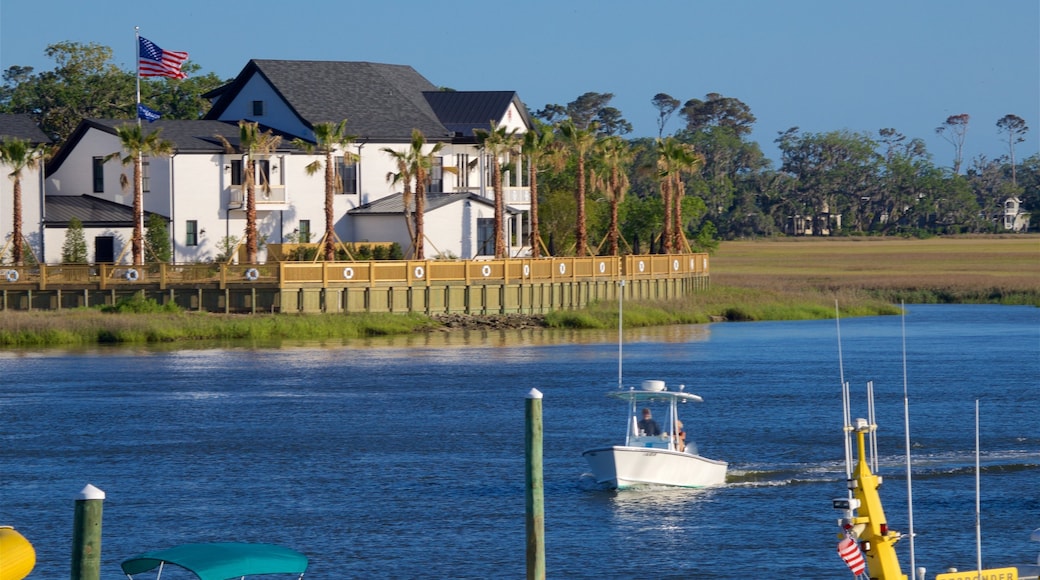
<point>819,65</point>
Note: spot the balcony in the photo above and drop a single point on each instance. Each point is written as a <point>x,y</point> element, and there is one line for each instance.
<point>274,198</point>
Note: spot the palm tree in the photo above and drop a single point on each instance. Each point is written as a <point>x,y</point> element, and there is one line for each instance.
<point>580,142</point>
<point>614,156</point>
<point>404,177</point>
<point>665,149</point>
<point>674,160</point>
<point>19,155</point>
<point>136,144</point>
<point>540,148</point>
<point>497,143</point>
<point>327,138</point>
<point>417,165</point>
<point>252,143</point>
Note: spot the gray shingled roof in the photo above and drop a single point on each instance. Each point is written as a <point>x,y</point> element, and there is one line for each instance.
<point>187,136</point>
<point>463,111</point>
<point>392,204</point>
<point>92,211</point>
<point>380,101</point>
<point>22,127</point>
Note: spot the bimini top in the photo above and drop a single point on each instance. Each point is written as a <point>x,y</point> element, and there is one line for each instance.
<point>222,560</point>
<point>654,391</point>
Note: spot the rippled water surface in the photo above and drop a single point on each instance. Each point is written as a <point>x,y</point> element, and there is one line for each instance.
<point>404,458</point>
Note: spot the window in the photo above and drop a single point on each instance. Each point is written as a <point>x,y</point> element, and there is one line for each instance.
<point>236,172</point>
<point>146,176</point>
<point>485,236</point>
<point>99,175</point>
<point>347,173</point>
<point>258,108</point>
<point>305,231</point>
<point>462,163</point>
<point>436,181</point>
<point>191,233</point>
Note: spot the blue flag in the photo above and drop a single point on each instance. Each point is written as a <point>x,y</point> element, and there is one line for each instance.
<point>147,114</point>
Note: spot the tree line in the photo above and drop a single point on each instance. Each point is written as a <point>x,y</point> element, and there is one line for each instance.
<point>594,191</point>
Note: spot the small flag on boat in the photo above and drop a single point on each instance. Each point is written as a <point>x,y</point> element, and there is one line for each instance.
<point>849,551</point>
<point>155,62</point>
<point>147,114</point>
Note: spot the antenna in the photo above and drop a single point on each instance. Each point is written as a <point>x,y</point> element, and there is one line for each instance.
<point>846,403</point>
<point>620,307</point>
<point>906,430</point>
<point>978,490</point>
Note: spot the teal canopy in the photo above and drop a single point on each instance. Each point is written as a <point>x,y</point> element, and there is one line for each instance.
<point>222,560</point>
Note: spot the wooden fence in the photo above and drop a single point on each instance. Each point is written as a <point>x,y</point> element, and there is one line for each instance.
<point>506,285</point>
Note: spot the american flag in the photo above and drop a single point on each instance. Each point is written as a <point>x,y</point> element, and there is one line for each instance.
<point>156,62</point>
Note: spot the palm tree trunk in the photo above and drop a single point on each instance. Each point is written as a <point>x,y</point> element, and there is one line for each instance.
<point>500,208</point>
<point>16,230</point>
<point>251,248</point>
<point>536,250</point>
<point>330,232</point>
<point>137,241</point>
<point>580,236</point>
<point>666,198</point>
<point>420,218</point>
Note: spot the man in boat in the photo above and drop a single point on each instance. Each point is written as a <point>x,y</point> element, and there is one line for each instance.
<point>647,426</point>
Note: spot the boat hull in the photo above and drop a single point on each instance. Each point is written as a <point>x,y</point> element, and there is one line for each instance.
<point>623,467</point>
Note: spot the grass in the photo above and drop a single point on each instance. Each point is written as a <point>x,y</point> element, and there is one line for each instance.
<point>964,269</point>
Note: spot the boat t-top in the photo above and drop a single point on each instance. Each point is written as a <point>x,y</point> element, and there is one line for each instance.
<point>660,457</point>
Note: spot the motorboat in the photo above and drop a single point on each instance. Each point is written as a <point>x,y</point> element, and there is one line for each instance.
<point>661,458</point>
<point>220,560</point>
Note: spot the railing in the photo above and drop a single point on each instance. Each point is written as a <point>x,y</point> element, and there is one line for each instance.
<point>275,195</point>
<point>357,273</point>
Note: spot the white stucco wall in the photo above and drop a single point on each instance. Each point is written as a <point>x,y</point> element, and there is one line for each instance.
<point>32,209</point>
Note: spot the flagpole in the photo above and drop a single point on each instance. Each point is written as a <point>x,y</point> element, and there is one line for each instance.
<point>138,169</point>
<point>137,51</point>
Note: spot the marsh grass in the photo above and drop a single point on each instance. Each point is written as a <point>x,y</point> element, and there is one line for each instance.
<point>967,269</point>
<point>81,327</point>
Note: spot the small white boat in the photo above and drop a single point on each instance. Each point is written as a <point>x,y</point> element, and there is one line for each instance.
<point>652,459</point>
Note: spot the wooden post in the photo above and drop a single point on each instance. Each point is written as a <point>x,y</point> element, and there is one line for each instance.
<point>86,534</point>
<point>535,505</point>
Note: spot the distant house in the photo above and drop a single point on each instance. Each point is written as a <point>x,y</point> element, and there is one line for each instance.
<point>199,188</point>
<point>1015,218</point>
<point>22,127</point>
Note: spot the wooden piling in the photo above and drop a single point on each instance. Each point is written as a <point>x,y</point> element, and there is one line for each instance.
<point>535,495</point>
<point>86,534</point>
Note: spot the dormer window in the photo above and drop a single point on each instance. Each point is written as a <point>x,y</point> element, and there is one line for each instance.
<point>258,108</point>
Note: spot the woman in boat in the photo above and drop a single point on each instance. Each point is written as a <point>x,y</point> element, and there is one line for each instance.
<point>680,438</point>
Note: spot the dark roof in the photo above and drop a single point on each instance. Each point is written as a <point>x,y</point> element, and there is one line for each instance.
<point>92,211</point>
<point>23,127</point>
<point>380,101</point>
<point>463,111</point>
<point>392,205</point>
<point>187,136</point>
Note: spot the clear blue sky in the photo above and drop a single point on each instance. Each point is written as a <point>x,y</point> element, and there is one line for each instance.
<point>821,65</point>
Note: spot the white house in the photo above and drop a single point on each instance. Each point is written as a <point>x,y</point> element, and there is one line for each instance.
<point>1015,218</point>
<point>22,127</point>
<point>198,189</point>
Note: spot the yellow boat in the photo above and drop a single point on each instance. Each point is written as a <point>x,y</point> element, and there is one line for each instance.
<point>17,556</point>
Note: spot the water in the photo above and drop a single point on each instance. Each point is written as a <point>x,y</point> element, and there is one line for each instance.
<point>404,458</point>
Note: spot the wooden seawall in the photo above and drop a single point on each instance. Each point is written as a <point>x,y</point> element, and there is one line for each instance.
<point>427,286</point>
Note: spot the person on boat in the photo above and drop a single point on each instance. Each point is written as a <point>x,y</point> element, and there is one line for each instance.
<point>647,426</point>
<point>680,436</point>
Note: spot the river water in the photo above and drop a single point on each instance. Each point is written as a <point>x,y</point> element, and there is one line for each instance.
<point>404,458</point>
